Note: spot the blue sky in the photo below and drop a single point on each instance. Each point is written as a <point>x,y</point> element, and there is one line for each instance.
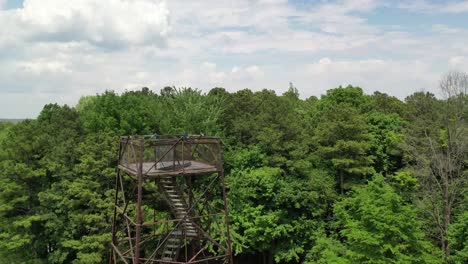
<point>57,51</point>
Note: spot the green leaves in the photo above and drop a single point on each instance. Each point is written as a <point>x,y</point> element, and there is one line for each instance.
<point>342,136</point>
<point>189,111</point>
<point>377,227</point>
<point>458,237</point>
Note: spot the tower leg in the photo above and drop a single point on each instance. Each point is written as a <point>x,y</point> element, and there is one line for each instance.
<point>139,221</point>
<point>231,261</point>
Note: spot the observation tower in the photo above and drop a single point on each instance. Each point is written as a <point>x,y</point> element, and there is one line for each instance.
<point>170,201</point>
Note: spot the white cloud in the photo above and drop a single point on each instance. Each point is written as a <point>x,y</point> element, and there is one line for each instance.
<point>255,72</point>
<point>398,78</point>
<point>42,66</point>
<point>211,73</point>
<point>245,75</point>
<point>56,51</point>
<point>444,29</point>
<point>109,23</point>
<point>459,63</point>
<point>208,75</point>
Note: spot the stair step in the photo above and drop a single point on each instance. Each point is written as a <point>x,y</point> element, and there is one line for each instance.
<point>172,246</point>
<point>180,233</point>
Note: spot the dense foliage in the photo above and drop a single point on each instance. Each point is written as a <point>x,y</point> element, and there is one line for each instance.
<point>345,178</point>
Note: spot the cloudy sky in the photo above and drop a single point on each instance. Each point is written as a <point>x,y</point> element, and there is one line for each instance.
<point>59,50</point>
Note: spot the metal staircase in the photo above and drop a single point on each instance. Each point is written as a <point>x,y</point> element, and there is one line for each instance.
<point>179,207</point>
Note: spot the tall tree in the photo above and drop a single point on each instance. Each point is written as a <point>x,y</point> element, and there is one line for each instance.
<point>342,136</point>
<point>438,144</point>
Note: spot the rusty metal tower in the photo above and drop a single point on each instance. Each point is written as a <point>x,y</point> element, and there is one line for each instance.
<point>170,201</point>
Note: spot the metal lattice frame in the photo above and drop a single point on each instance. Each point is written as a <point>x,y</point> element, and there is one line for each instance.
<point>170,201</point>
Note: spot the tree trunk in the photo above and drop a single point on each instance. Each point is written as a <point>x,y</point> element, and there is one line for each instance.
<point>447,215</point>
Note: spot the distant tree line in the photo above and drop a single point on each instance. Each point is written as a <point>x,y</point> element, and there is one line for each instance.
<point>344,178</point>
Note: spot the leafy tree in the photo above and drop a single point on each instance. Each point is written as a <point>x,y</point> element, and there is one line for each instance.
<point>79,208</point>
<point>188,110</point>
<point>378,227</point>
<point>437,144</point>
<point>342,137</point>
<point>21,178</point>
<point>274,213</point>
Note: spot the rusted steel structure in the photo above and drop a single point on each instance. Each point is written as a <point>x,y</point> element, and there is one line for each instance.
<point>170,201</point>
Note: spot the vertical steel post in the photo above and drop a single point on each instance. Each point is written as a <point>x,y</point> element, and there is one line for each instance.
<point>139,201</point>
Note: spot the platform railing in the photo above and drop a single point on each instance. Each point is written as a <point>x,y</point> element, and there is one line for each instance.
<point>169,154</point>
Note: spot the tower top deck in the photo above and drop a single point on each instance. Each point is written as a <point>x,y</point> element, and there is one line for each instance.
<point>157,155</point>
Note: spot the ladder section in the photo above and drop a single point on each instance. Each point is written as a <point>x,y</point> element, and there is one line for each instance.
<point>178,205</point>
<point>179,208</point>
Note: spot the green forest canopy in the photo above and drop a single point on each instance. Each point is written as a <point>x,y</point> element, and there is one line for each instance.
<point>344,178</point>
